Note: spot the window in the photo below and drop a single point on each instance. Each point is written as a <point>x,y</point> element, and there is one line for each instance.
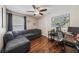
<point>17,22</point>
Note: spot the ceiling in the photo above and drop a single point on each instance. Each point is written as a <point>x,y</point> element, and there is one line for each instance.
<point>24,8</point>
<point>50,9</point>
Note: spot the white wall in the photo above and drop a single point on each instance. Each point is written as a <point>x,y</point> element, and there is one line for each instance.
<point>2,30</point>
<point>31,22</point>
<point>45,21</point>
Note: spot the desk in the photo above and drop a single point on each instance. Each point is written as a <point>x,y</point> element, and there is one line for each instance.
<point>69,40</point>
<point>67,37</point>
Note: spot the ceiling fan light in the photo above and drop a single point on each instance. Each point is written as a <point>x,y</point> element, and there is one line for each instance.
<point>37,12</point>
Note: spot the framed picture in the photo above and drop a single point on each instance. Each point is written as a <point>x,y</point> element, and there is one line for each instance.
<point>61,20</point>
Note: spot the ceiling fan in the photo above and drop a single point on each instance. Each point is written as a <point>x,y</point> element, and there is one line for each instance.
<point>37,10</point>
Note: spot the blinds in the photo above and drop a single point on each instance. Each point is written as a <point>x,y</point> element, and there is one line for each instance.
<point>18,23</point>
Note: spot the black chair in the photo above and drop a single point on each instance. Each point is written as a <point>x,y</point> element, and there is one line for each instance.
<point>59,38</point>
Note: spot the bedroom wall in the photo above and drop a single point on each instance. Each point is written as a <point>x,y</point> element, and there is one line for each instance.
<point>45,21</point>
<point>2,30</point>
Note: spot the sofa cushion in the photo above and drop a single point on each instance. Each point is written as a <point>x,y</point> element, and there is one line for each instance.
<point>29,34</point>
<point>20,36</point>
<point>19,41</point>
<point>17,33</point>
<point>8,36</point>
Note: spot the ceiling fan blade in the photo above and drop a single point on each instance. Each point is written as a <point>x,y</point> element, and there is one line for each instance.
<point>30,11</point>
<point>34,6</point>
<point>41,13</point>
<point>43,10</point>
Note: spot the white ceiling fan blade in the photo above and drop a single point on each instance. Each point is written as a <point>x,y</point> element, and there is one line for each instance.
<point>30,11</point>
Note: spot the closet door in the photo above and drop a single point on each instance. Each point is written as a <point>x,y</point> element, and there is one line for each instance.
<point>18,23</point>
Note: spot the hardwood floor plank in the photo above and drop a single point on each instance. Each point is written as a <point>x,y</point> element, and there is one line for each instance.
<point>43,45</point>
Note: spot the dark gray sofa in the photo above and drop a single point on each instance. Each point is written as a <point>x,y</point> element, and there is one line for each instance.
<point>19,41</point>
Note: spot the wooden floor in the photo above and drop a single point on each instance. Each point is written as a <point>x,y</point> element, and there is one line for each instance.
<point>43,45</point>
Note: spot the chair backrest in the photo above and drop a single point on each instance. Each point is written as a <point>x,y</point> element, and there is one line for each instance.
<point>60,36</point>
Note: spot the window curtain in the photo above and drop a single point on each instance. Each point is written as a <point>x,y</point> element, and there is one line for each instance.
<point>24,22</point>
<point>10,22</point>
